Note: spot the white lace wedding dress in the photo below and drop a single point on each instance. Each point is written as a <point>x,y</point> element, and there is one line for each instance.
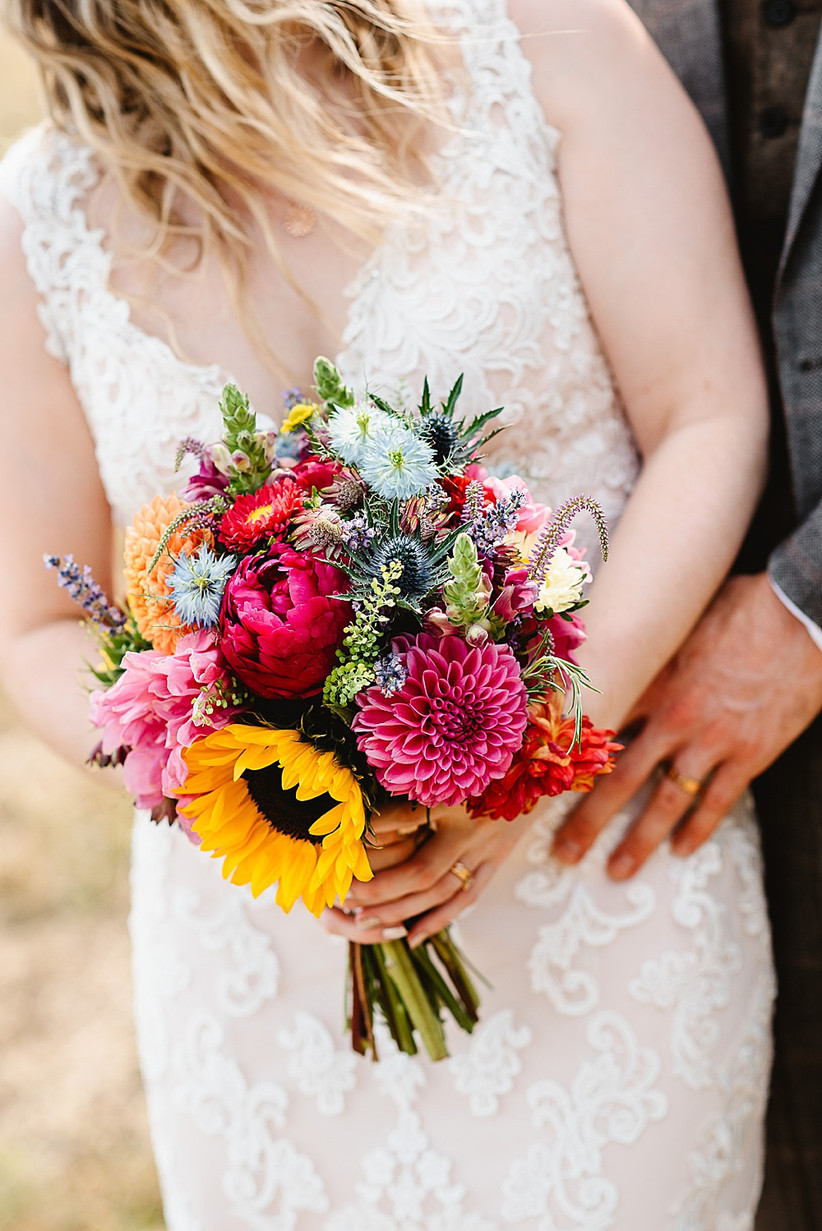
<point>619,1073</point>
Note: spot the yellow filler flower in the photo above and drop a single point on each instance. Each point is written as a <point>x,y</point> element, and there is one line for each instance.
<point>275,808</point>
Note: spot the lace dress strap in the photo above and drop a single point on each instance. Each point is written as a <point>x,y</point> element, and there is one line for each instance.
<point>46,176</point>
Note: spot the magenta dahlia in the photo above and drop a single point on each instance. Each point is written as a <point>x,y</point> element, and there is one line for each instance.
<point>452,727</point>
<point>279,626</point>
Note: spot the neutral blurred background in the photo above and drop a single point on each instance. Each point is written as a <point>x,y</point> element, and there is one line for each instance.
<point>74,1152</point>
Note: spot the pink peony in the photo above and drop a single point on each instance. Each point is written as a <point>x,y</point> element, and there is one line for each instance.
<point>150,711</point>
<point>279,626</point>
<point>452,727</point>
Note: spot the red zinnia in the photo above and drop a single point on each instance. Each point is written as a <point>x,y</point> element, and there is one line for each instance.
<point>455,486</point>
<point>264,514</point>
<point>548,763</point>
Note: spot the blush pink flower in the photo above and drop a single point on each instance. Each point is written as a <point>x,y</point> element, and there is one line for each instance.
<point>452,727</point>
<point>280,625</point>
<point>532,516</point>
<point>154,710</point>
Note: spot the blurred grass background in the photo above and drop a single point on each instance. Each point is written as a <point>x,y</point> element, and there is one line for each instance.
<point>74,1152</point>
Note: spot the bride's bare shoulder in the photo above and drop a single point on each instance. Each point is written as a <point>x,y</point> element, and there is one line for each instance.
<point>593,62</point>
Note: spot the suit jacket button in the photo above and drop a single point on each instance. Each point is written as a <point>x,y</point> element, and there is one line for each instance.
<point>773,121</point>
<point>779,13</point>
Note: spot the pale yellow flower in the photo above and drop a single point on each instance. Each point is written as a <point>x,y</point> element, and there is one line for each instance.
<point>563,583</point>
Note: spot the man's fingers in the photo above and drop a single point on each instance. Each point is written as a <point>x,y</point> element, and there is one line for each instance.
<point>578,832</point>
<point>720,796</point>
<point>677,793</point>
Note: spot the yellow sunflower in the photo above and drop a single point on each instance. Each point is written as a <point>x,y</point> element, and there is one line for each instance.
<point>275,808</point>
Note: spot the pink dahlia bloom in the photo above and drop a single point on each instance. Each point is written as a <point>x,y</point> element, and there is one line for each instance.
<point>452,727</point>
<point>279,626</point>
<point>151,711</point>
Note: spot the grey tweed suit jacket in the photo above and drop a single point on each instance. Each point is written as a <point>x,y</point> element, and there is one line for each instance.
<point>688,33</point>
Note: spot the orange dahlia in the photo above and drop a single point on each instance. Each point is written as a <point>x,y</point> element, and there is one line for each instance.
<point>550,762</point>
<point>149,595</point>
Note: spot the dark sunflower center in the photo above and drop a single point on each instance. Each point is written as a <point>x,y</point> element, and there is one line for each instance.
<point>280,807</point>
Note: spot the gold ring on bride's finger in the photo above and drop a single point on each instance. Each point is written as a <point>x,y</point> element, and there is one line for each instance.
<point>462,874</point>
<point>691,786</point>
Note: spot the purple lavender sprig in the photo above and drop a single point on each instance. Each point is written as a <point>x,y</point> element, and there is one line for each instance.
<point>80,585</point>
<point>551,534</point>
<point>488,525</point>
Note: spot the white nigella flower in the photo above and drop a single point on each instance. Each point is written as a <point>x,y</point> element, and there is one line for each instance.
<point>561,588</point>
<point>351,429</point>
<point>396,463</point>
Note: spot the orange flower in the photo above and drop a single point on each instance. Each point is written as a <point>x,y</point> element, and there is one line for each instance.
<point>149,596</point>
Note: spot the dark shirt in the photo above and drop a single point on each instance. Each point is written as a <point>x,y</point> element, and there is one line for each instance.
<point>769,49</point>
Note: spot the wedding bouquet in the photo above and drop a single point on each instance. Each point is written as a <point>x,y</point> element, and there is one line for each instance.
<point>344,612</point>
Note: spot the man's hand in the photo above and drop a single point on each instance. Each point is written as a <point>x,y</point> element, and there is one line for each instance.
<point>746,683</point>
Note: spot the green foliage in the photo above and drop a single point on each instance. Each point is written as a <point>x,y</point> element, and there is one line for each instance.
<point>114,644</point>
<point>330,385</point>
<point>250,463</point>
<point>468,594</point>
<point>362,643</point>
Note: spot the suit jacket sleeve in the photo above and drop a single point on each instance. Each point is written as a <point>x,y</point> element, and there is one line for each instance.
<point>796,566</point>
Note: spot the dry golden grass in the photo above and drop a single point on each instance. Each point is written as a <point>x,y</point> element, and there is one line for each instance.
<point>74,1152</point>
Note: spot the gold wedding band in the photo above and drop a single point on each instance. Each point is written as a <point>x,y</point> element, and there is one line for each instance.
<point>691,786</point>
<point>462,874</point>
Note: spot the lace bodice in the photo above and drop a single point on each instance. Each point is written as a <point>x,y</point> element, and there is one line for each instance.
<point>484,285</point>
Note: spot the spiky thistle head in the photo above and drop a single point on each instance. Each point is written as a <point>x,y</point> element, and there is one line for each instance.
<point>419,572</point>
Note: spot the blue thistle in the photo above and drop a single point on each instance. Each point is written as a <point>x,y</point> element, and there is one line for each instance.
<point>396,463</point>
<point>197,585</point>
<point>351,429</point>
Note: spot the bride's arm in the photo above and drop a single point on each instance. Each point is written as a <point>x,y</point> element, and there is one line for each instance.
<point>51,502</point>
<point>652,236</point>
<point>651,233</point>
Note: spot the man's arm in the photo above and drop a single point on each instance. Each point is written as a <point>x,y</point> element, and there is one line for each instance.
<point>745,684</point>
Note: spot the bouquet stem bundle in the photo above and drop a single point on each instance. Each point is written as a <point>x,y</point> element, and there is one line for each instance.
<point>411,988</point>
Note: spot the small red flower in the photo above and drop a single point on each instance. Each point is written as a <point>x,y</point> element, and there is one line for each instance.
<point>265,514</point>
<point>316,472</point>
<point>455,485</point>
<point>548,763</point>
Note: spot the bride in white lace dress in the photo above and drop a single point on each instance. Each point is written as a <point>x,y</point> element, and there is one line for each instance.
<point>619,1073</point>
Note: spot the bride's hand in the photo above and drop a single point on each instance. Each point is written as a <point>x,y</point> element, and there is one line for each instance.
<point>424,886</point>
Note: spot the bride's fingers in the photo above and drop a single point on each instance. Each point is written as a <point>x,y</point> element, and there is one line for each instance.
<point>365,932</point>
<point>428,864</point>
<point>677,794</point>
<point>371,925</point>
<point>397,817</point>
<point>439,918</point>
<point>391,854</point>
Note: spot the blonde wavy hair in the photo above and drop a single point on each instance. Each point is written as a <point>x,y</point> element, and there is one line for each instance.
<point>323,101</point>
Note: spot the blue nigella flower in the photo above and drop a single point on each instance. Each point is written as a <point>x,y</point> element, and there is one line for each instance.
<point>197,585</point>
<point>396,463</point>
<point>351,429</point>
